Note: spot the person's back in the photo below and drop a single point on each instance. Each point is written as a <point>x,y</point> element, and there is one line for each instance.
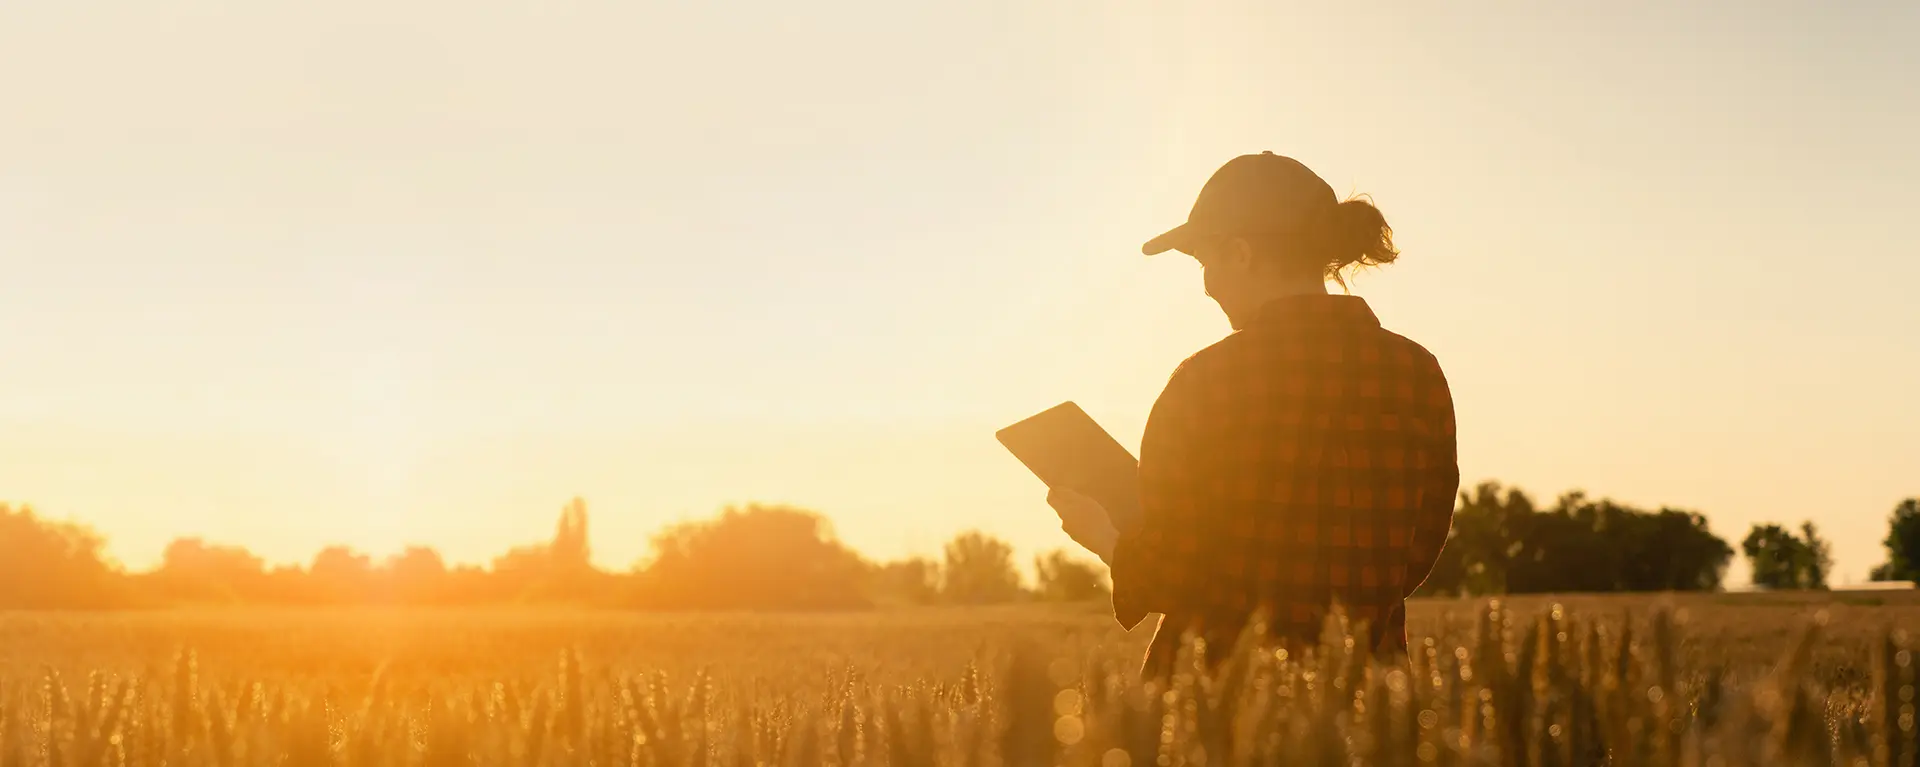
<point>1305,460</point>
<point>1299,462</point>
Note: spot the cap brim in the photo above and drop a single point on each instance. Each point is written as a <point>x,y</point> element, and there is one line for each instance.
<point>1176,238</point>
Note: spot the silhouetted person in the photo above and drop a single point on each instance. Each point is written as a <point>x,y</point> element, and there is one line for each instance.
<point>1306,458</point>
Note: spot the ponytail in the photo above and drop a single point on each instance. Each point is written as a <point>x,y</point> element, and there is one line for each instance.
<point>1357,236</point>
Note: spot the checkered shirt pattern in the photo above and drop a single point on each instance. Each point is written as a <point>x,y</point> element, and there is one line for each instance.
<point>1306,459</point>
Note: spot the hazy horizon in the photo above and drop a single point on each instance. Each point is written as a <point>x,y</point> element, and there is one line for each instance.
<point>374,274</point>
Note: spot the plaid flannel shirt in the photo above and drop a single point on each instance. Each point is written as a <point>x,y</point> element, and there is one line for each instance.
<point>1306,459</point>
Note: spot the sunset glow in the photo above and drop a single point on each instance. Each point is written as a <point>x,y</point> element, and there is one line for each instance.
<point>383,274</point>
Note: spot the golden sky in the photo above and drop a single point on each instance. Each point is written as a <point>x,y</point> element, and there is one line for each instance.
<point>287,274</point>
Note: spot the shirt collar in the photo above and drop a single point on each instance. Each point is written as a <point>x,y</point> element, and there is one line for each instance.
<point>1318,309</point>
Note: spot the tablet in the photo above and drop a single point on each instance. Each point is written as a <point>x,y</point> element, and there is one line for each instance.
<point>1065,448</point>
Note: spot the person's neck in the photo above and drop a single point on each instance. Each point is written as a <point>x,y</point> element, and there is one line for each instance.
<point>1269,293</point>
<point>1278,290</point>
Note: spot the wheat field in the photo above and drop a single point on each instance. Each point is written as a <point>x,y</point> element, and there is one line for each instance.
<point>1706,680</point>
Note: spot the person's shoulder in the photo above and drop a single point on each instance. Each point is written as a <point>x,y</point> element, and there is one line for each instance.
<point>1190,375</point>
<point>1407,351</point>
<point>1210,357</point>
<point>1412,359</point>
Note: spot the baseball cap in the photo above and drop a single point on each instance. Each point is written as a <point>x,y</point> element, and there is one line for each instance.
<point>1250,195</point>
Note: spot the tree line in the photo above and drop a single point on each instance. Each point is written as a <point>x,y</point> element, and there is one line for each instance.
<point>756,557</point>
<point>761,557</point>
<point>1504,542</point>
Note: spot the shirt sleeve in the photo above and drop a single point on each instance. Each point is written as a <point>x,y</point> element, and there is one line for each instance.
<point>1435,513</point>
<point>1153,562</point>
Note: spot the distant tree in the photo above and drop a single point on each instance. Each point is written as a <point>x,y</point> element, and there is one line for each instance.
<point>753,558</point>
<point>1567,548</point>
<point>913,581</point>
<point>1500,543</point>
<point>415,576</point>
<point>1484,536</point>
<point>570,551</point>
<point>979,570</point>
<point>1669,550</point>
<point>569,574</point>
<point>340,575</point>
<point>1772,553</point>
<point>192,570</point>
<point>559,570</point>
<point>517,574</point>
<point>46,564</point>
<point>1820,556</point>
<point>1063,578</point>
<point>1782,560</point>
<point>1903,544</point>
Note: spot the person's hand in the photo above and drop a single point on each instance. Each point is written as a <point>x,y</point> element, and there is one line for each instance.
<point>1085,521</point>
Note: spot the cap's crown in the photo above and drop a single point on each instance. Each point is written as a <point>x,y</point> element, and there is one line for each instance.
<point>1251,195</point>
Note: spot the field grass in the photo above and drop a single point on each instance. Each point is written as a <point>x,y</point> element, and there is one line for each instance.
<point>1652,679</point>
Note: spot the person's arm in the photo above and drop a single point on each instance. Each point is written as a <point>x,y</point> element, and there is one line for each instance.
<point>1152,563</point>
<point>1434,518</point>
